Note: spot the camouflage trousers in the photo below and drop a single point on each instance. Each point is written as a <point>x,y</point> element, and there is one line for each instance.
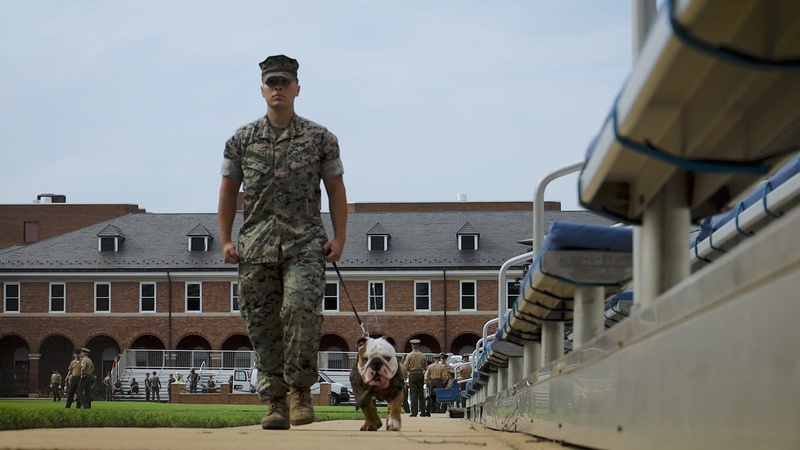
<point>280,304</point>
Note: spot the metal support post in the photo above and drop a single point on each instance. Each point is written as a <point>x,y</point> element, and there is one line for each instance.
<point>663,243</point>
<point>502,379</point>
<point>552,342</point>
<point>589,319</point>
<point>531,357</point>
<point>515,373</point>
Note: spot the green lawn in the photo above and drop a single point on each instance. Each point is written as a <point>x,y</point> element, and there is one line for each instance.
<point>35,413</point>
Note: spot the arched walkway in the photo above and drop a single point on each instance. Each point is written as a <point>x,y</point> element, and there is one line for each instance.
<point>198,353</point>
<point>333,353</point>
<point>104,349</point>
<point>55,352</point>
<point>144,358</point>
<point>14,367</point>
<point>464,343</point>
<point>236,351</point>
<point>427,343</point>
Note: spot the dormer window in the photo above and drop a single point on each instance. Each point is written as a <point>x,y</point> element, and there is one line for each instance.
<point>199,239</point>
<point>377,243</point>
<point>468,242</point>
<point>110,239</point>
<point>468,237</point>
<point>198,244</point>
<point>377,239</point>
<point>109,244</point>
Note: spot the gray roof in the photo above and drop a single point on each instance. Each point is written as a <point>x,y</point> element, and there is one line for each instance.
<point>419,240</point>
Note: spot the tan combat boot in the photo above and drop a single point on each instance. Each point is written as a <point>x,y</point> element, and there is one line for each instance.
<point>277,418</point>
<point>300,410</point>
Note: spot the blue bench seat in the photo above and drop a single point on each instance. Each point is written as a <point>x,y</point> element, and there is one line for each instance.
<point>572,256</point>
<point>713,95</point>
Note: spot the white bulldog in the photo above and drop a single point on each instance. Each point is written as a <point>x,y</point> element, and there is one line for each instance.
<point>376,376</point>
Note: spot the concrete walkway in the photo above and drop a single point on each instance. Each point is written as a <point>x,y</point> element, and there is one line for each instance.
<point>441,433</point>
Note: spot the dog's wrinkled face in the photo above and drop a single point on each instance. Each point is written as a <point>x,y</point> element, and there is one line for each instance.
<point>377,362</point>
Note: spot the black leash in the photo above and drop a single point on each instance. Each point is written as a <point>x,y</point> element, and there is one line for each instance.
<point>360,323</point>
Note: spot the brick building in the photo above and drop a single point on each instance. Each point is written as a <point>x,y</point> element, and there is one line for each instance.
<point>157,281</point>
<point>50,215</point>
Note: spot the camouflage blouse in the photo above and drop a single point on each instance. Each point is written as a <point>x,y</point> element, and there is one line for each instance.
<point>281,177</point>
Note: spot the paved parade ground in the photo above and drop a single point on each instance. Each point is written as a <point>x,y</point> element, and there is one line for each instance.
<point>441,433</point>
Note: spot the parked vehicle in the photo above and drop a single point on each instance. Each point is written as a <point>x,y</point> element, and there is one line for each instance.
<point>244,381</point>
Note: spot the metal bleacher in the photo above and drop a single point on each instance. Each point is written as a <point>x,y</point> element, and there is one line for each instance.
<point>696,347</point>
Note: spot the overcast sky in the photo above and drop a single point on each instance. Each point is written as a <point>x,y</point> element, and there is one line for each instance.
<point>131,102</point>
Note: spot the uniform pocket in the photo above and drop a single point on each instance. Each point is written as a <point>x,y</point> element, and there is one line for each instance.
<point>303,158</point>
<point>255,174</point>
<point>254,166</point>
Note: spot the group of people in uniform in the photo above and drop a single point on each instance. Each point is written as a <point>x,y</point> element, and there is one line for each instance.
<point>438,374</point>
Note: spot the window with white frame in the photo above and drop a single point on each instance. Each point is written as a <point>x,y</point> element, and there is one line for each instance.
<point>58,297</point>
<point>378,243</point>
<point>147,297</point>
<point>468,242</point>
<point>194,297</point>
<point>376,296</point>
<point>102,297</point>
<point>108,244</point>
<point>198,243</point>
<point>11,296</point>
<point>422,296</point>
<point>469,295</point>
<point>330,300</point>
<point>512,292</point>
<point>234,296</point>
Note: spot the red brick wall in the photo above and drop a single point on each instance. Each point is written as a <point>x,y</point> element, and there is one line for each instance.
<point>54,219</point>
<point>216,323</point>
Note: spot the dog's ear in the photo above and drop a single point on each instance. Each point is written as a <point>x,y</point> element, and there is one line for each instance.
<point>361,341</point>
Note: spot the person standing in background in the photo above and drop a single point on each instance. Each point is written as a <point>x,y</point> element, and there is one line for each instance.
<point>155,387</point>
<point>73,380</point>
<point>464,373</point>
<point>416,363</point>
<point>87,379</point>
<point>193,378</point>
<point>434,376</point>
<point>109,387</point>
<point>55,385</point>
<point>147,387</point>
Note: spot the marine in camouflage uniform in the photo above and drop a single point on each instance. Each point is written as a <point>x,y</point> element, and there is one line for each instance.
<point>280,159</point>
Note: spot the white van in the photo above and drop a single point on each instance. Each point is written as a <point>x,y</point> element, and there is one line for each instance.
<point>244,381</point>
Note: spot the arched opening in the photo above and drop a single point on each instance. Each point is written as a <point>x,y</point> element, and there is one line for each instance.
<point>464,343</point>
<point>14,367</point>
<point>427,344</point>
<point>103,351</point>
<point>146,350</point>
<point>55,352</point>
<point>237,352</point>
<point>333,353</point>
<point>193,351</point>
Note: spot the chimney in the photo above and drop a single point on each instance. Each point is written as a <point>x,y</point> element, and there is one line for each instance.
<point>51,198</point>
<point>461,197</point>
